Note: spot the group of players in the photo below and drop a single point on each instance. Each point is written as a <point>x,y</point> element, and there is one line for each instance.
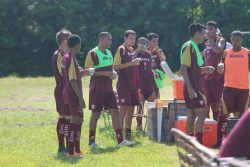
<point>136,71</point>
<point>215,78</point>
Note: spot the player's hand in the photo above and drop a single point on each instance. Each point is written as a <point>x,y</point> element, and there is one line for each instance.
<point>209,69</point>
<point>192,93</point>
<point>220,68</point>
<point>156,75</point>
<point>82,103</point>
<point>114,76</point>
<point>135,62</point>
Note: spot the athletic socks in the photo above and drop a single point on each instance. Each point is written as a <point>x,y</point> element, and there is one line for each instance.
<point>220,129</point>
<point>60,133</point>
<point>119,135</point>
<point>72,137</point>
<point>66,132</point>
<point>199,137</point>
<point>77,138</point>
<point>91,137</point>
<point>128,133</point>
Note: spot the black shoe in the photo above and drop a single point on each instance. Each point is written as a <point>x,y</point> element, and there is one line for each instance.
<point>61,149</point>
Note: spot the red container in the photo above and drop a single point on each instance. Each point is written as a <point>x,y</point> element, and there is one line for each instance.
<point>178,89</point>
<point>209,130</point>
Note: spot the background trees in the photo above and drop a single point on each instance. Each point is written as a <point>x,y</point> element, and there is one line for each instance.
<point>28,27</point>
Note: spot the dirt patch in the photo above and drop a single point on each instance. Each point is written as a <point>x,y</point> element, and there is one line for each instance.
<point>26,109</point>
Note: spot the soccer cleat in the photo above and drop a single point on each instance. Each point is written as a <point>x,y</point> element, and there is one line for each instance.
<point>61,149</point>
<point>80,154</point>
<point>126,143</point>
<point>68,155</point>
<point>95,146</point>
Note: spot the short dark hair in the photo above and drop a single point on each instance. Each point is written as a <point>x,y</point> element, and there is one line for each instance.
<point>237,33</point>
<point>212,23</point>
<point>73,40</point>
<point>152,35</point>
<point>62,35</point>
<point>103,34</point>
<point>128,32</point>
<point>142,39</point>
<point>195,27</point>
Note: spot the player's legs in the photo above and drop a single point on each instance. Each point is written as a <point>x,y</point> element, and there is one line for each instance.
<point>201,114</point>
<point>60,133</point>
<point>140,111</point>
<point>76,121</point>
<point>242,101</point>
<point>191,116</point>
<point>116,124</point>
<point>227,106</point>
<point>92,126</point>
<point>96,101</point>
<point>128,121</point>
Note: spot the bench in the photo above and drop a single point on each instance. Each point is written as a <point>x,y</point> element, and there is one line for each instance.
<point>192,153</point>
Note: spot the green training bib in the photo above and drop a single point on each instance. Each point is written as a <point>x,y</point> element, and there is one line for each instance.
<point>105,60</point>
<point>200,61</point>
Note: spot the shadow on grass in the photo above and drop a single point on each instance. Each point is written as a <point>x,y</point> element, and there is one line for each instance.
<point>62,157</point>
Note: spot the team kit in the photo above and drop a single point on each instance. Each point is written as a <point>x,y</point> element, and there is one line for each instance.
<point>212,79</point>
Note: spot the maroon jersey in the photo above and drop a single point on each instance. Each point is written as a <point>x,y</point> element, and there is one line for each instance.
<point>128,76</point>
<point>212,59</point>
<point>145,71</point>
<point>69,95</point>
<point>100,83</point>
<point>57,74</point>
<point>156,62</point>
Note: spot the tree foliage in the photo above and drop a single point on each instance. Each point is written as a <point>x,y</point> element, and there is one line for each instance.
<point>28,27</point>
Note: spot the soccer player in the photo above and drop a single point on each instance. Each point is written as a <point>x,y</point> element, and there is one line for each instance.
<point>128,81</point>
<point>191,69</point>
<point>101,94</point>
<point>235,96</point>
<point>157,57</point>
<point>63,118</point>
<point>146,76</point>
<point>213,83</point>
<point>72,94</point>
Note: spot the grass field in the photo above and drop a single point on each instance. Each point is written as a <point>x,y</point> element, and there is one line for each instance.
<point>28,136</point>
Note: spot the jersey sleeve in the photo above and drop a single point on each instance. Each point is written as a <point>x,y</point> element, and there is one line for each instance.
<point>72,71</point>
<point>89,61</point>
<point>118,59</point>
<point>186,57</point>
<point>59,63</point>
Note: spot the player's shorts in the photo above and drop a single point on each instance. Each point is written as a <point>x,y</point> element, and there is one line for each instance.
<point>195,103</point>
<point>234,100</point>
<point>127,96</point>
<point>101,100</point>
<point>146,93</point>
<point>61,108</point>
<point>213,90</point>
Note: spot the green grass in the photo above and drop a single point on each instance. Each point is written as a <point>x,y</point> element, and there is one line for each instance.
<point>28,138</point>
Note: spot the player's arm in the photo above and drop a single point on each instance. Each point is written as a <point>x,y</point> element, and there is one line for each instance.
<point>221,65</point>
<point>161,54</point>
<point>74,85</point>
<point>59,63</point>
<point>217,48</point>
<point>118,65</point>
<point>185,64</point>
